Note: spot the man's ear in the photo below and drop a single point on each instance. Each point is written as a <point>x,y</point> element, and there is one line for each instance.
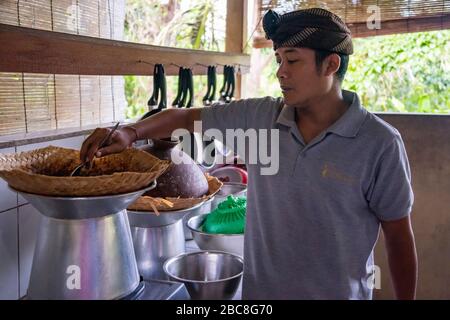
<point>332,64</point>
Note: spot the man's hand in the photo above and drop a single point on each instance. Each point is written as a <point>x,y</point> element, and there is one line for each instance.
<point>402,256</point>
<point>119,141</point>
<point>160,125</point>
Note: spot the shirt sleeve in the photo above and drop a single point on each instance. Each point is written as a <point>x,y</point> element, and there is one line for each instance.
<point>223,116</point>
<point>391,196</point>
<point>241,117</point>
<point>238,114</point>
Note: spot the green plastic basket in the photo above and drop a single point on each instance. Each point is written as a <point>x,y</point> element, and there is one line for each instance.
<point>228,217</point>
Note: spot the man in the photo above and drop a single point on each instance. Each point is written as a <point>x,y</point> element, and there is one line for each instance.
<point>311,227</point>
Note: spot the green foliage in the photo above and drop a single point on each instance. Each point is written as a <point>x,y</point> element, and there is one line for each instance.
<point>395,73</point>
<point>398,73</point>
<point>402,73</point>
<point>137,94</point>
<point>269,85</point>
<point>182,24</point>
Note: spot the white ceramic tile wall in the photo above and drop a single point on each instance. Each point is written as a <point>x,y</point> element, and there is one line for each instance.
<point>8,199</point>
<point>9,260</point>
<point>73,143</point>
<point>29,219</point>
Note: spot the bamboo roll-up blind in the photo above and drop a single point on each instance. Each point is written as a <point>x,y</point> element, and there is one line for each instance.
<point>68,18</point>
<point>395,16</point>
<point>12,113</point>
<point>119,101</point>
<point>106,99</point>
<point>357,11</point>
<point>39,101</point>
<point>33,102</point>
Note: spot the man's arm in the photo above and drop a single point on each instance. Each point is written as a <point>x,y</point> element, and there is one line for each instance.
<point>163,124</point>
<point>160,125</point>
<point>402,256</point>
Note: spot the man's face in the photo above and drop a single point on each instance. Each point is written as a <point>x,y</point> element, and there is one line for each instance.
<point>299,79</point>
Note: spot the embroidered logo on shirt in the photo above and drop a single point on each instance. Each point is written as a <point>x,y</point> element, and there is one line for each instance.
<point>329,171</point>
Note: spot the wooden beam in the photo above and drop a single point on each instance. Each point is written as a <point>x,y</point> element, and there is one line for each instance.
<point>236,33</point>
<point>360,30</point>
<point>39,51</point>
<point>398,26</point>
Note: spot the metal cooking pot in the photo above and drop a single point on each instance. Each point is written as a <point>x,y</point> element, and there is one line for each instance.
<point>157,238</point>
<point>84,248</point>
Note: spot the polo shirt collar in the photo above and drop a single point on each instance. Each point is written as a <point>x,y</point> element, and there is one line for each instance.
<point>347,125</point>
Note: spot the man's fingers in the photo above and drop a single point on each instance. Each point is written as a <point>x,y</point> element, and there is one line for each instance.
<point>91,144</point>
<point>91,154</point>
<point>113,148</point>
<point>84,148</point>
<point>111,139</point>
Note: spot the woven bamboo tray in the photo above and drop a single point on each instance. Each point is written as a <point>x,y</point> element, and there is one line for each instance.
<point>146,203</point>
<point>46,172</point>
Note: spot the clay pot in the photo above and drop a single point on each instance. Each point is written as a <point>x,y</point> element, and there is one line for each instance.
<point>183,179</point>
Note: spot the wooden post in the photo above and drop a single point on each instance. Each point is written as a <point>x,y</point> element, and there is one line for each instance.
<point>236,34</point>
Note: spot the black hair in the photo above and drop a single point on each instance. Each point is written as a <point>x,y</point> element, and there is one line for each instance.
<point>322,54</point>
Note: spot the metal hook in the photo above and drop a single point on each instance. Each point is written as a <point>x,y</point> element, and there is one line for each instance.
<point>202,65</point>
<point>173,64</point>
<point>142,61</point>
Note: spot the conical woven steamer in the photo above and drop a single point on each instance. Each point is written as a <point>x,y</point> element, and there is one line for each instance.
<point>146,203</point>
<point>46,171</point>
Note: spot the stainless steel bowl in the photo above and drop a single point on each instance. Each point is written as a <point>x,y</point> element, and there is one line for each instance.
<point>229,188</point>
<point>233,243</point>
<point>204,209</point>
<point>74,208</point>
<point>207,275</point>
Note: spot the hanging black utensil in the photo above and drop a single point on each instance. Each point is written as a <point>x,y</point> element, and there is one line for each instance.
<point>227,87</point>
<point>176,101</point>
<point>205,99</point>
<point>184,88</point>
<point>153,101</point>
<point>163,88</point>
<point>224,85</point>
<point>232,80</point>
<point>160,84</point>
<point>225,97</point>
<point>190,88</point>
<point>209,160</point>
<point>212,97</point>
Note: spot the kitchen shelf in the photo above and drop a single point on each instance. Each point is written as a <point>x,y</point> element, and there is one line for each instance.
<point>40,51</point>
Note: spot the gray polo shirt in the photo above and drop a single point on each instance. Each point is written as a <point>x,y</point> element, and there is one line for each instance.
<point>311,228</point>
